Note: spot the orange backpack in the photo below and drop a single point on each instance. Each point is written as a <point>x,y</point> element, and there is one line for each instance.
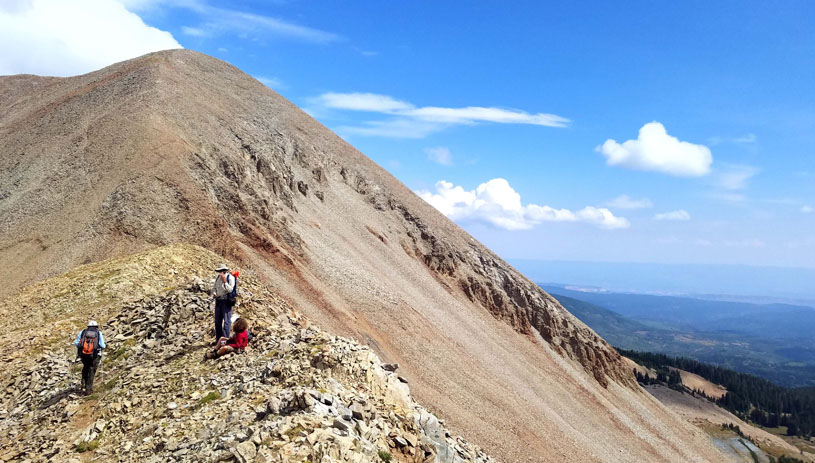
<point>89,343</point>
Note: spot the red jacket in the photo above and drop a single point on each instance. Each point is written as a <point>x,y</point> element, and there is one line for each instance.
<point>239,340</point>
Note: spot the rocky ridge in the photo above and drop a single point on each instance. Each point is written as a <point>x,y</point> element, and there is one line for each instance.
<point>177,147</point>
<point>296,394</point>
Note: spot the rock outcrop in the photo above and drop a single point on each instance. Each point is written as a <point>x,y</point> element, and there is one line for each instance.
<point>296,393</point>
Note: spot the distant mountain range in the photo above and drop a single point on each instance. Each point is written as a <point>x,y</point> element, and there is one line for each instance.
<point>770,340</point>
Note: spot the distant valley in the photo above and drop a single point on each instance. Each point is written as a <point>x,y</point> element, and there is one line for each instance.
<point>773,341</point>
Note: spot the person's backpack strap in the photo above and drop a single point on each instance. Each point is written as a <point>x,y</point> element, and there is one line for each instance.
<point>79,344</point>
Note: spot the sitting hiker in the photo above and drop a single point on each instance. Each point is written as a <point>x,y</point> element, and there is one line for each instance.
<point>89,344</point>
<point>237,343</point>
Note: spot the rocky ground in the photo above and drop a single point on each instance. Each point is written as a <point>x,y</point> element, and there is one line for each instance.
<point>297,394</point>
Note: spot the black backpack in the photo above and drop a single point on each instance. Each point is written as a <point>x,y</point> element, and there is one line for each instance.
<point>88,343</point>
<point>233,296</point>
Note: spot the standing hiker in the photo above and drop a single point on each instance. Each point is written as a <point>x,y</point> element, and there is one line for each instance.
<point>89,344</point>
<point>224,284</point>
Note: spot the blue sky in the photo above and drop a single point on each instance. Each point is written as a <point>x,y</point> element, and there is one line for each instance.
<point>709,108</point>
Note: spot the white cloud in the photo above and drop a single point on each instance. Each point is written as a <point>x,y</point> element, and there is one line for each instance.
<point>495,202</point>
<point>655,150</point>
<point>735,177</point>
<point>422,121</point>
<point>680,214</point>
<point>807,209</point>
<point>194,31</point>
<point>271,82</point>
<point>233,21</point>
<point>371,102</point>
<point>391,128</point>
<point>703,242</point>
<point>217,21</point>
<point>59,38</point>
<point>440,155</point>
<point>626,202</point>
<point>473,114</point>
<point>746,139</point>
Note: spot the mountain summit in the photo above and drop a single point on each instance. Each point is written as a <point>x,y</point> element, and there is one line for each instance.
<point>179,147</point>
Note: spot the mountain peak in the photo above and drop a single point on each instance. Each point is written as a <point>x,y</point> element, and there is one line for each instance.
<point>179,147</point>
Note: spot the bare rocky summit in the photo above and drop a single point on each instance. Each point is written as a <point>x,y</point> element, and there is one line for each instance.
<point>178,147</point>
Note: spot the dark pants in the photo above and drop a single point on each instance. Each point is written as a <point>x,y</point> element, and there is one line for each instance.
<point>223,318</point>
<point>89,366</point>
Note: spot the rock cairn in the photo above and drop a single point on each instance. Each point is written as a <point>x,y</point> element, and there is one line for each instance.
<point>297,394</point>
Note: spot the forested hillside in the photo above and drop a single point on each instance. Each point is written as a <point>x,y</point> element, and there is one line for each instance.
<point>749,397</point>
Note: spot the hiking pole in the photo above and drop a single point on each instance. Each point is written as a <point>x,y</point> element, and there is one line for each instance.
<point>100,366</point>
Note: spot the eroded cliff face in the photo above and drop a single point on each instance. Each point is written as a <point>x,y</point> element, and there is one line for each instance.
<point>180,147</point>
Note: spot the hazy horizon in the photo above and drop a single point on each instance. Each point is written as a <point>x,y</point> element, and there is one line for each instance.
<point>764,282</point>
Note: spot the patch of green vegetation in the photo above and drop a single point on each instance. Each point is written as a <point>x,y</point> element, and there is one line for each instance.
<point>90,446</point>
<point>108,274</point>
<point>123,351</point>
<point>786,459</point>
<point>385,456</point>
<point>212,395</point>
<point>293,432</point>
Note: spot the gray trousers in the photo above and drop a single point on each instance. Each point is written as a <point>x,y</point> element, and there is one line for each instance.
<point>223,318</point>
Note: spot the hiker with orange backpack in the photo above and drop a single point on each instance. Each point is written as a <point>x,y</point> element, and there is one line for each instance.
<point>89,344</point>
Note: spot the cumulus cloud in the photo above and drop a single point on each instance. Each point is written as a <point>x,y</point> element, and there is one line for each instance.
<point>59,38</point>
<point>678,215</point>
<point>418,122</point>
<point>626,202</point>
<point>440,155</point>
<point>655,150</point>
<point>495,202</point>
